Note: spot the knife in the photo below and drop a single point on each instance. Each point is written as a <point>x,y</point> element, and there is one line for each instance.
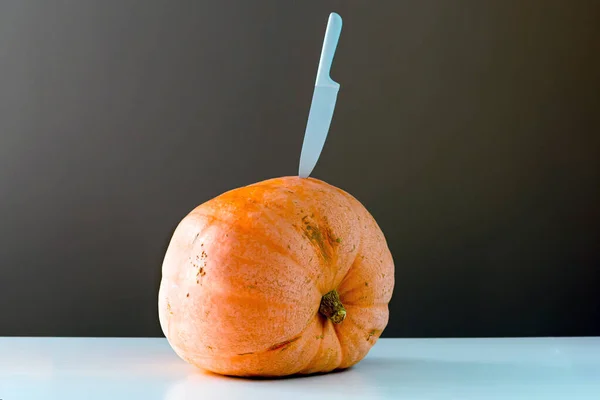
<point>323,100</point>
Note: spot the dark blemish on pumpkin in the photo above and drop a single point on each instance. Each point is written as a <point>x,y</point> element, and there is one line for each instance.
<point>338,240</point>
<point>187,295</point>
<point>197,281</point>
<point>209,347</point>
<point>353,247</point>
<point>245,354</point>
<point>323,242</point>
<point>319,336</point>
<point>382,275</point>
<point>366,283</point>
<point>289,247</point>
<point>196,238</point>
<point>169,308</point>
<point>372,333</point>
<point>283,345</point>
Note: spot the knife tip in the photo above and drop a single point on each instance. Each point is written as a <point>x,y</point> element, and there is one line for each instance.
<point>303,172</point>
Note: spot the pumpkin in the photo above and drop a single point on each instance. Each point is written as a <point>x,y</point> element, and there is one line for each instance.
<point>285,276</point>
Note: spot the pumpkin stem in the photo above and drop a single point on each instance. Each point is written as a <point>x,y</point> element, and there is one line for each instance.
<point>332,307</point>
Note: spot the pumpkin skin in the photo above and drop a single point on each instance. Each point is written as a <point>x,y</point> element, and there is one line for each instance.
<point>251,280</point>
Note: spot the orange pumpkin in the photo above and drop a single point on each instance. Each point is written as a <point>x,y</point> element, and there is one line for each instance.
<point>286,276</point>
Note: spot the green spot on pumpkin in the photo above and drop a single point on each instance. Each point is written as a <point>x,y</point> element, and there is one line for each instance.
<point>372,333</point>
<point>320,236</point>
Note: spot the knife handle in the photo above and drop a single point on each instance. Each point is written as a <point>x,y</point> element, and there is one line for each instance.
<point>332,35</point>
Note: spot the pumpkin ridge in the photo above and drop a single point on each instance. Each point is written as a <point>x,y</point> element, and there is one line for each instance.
<point>268,214</point>
<point>256,234</point>
<point>278,345</point>
<point>264,294</point>
<point>206,222</point>
<point>319,234</point>
<point>353,289</point>
<point>283,345</point>
<point>313,232</point>
<point>353,320</point>
<point>313,360</point>
<point>310,360</point>
<point>355,264</point>
<point>338,282</point>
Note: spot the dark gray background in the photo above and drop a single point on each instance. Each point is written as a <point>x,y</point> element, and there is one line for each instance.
<point>469,129</point>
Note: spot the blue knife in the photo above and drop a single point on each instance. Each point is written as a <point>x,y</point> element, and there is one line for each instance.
<point>323,101</point>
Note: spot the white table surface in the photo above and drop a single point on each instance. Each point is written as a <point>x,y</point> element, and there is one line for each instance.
<point>113,369</point>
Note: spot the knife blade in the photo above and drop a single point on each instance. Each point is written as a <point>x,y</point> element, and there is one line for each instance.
<point>323,101</point>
